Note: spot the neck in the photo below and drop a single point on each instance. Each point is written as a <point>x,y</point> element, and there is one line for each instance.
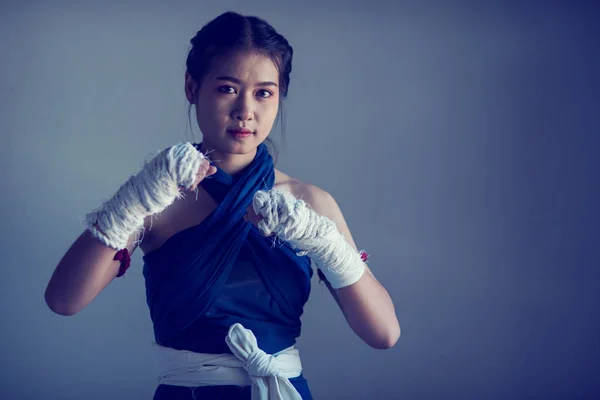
<point>228,162</point>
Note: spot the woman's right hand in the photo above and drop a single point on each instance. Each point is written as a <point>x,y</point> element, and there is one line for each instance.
<point>205,170</point>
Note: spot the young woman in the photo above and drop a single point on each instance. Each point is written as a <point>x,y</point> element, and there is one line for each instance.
<point>228,266</point>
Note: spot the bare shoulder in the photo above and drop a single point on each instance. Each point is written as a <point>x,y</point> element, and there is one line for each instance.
<point>318,199</point>
<point>321,201</point>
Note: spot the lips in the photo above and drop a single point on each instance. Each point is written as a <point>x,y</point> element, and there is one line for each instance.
<point>240,131</point>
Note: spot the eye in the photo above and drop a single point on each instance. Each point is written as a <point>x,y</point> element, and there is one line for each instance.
<point>227,89</point>
<point>264,93</point>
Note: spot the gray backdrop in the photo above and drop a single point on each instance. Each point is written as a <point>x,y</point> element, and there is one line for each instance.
<point>459,140</point>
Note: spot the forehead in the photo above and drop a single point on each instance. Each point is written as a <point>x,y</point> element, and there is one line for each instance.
<point>246,66</point>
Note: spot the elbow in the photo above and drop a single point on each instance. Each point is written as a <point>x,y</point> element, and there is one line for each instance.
<point>62,309</point>
<point>57,306</point>
<point>386,340</point>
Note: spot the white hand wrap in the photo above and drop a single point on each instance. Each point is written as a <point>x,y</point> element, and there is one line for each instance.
<point>149,192</point>
<point>293,221</point>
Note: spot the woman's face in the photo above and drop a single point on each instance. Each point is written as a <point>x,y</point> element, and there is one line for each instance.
<point>241,92</point>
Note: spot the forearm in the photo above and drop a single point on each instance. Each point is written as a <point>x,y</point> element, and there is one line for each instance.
<point>369,311</point>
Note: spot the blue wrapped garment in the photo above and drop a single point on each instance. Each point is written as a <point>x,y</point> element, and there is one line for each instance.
<point>207,277</point>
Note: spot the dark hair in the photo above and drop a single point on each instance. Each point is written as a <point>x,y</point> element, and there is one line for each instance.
<point>231,32</point>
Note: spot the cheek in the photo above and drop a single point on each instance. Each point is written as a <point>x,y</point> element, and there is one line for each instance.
<point>212,111</point>
<point>269,112</point>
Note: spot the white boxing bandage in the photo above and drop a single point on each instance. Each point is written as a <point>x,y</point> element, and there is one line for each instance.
<point>149,192</point>
<point>293,221</point>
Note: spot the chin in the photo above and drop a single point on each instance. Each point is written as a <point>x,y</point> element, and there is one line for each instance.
<point>243,146</point>
<point>230,145</point>
<point>237,147</point>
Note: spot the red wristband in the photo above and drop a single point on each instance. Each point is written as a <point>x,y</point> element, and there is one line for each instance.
<point>125,258</point>
<point>364,256</point>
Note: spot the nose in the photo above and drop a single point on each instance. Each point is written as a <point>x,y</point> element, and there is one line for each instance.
<point>243,110</point>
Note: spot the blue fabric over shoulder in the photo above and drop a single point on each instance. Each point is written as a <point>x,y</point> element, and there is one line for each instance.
<point>194,296</point>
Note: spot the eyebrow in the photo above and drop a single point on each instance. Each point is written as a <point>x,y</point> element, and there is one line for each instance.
<point>239,82</point>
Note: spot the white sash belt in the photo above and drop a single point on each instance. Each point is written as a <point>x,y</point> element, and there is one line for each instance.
<point>247,366</point>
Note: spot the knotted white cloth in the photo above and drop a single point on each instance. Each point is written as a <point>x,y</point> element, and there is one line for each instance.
<point>248,366</point>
